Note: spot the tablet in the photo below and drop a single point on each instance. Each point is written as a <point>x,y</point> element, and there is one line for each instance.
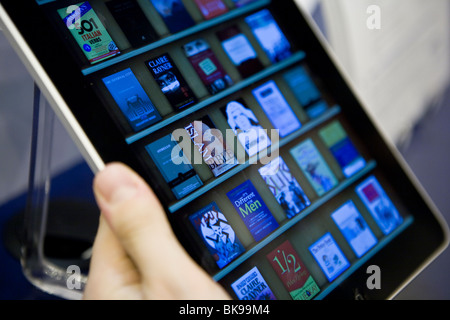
<point>273,175</point>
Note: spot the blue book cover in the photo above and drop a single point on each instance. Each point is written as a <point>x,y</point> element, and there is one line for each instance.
<point>354,228</point>
<point>132,100</point>
<point>252,286</point>
<point>269,35</point>
<point>277,108</point>
<point>379,205</point>
<point>174,166</point>
<point>329,257</point>
<point>305,91</point>
<point>342,148</point>
<point>314,167</point>
<point>284,187</point>
<point>217,234</point>
<point>241,3</point>
<point>174,14</point>
<point>252,210</point>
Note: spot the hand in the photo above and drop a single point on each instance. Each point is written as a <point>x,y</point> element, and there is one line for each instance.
<point>136,255</point>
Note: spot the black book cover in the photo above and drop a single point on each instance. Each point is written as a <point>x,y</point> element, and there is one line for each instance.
<point>174,14</point>
<point>171,82</point>
<point>133,22</point>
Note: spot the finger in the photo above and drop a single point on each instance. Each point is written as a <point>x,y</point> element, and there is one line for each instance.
<point>127,204</point>
<point>111,274</point>
<point>137,218</point>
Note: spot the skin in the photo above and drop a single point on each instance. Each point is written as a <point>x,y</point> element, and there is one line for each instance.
<point>136,255</point>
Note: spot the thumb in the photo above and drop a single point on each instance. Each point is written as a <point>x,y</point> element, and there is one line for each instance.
<point>140,224</point>
<point>132,211</point>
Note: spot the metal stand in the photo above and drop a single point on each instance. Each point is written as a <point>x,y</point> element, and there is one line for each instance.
<point>67,283</point>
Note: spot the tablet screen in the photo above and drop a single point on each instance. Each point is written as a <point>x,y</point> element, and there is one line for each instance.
<point>269,178</point>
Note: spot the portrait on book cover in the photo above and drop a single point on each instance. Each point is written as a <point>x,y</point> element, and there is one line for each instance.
<point>246,127</point>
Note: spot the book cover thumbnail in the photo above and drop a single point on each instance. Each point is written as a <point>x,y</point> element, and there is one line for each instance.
<point>251,135</point>
<point>210,144</point>
<point>329,257</point>
<point>354,228</point>
<point>211,8</point>
<point>171,82</point>
<point>240,51</point>
<point>174,14</point>
<point>89,32</point>
<point>284,187</point>
<point>314,167</point>
<point>217,234</point>
<point>269,35</point>
<point>129,16</point>
<point>379,205</point>
<point>241,3</point>
<point>132,100</point>
<point>207,66</point>
<point>305,91</point>
<point>342,148</point>
<point>293,273</point>
<point>252,286</point>
<point>252,210</point>
<point>277,108</point>
<point>174,166</point>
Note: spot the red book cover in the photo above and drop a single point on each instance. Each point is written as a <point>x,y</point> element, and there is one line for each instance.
<point>211,8</point>
<point>207,66</point>
<point>240,51</point>
<point>292,272</point>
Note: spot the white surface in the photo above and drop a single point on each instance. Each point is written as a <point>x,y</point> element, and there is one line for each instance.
<point>399,68</point>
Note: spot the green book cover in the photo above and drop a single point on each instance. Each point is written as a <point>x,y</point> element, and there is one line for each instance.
<point>336,139</point>
<point>89,32</point>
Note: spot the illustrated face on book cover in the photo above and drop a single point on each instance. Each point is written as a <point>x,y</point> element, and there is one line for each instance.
<point>246,127</point>
<point>169,83</point>
<point>240,118</point>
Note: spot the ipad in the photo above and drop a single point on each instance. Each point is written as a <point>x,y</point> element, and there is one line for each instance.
<point>272,173</point>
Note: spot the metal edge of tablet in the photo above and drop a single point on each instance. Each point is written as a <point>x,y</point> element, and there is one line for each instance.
<point>392,148</point>
<point>50,92</point>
